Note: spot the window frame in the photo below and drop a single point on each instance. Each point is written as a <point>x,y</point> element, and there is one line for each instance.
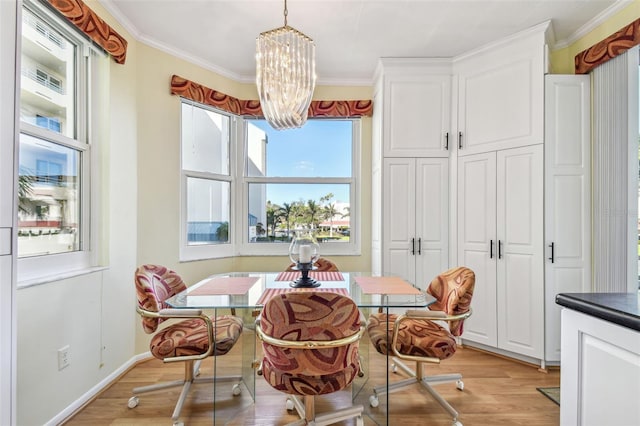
<point>208,251</point>
<point>36,269</point>
<point>239,244</point>
<point>353,247</point>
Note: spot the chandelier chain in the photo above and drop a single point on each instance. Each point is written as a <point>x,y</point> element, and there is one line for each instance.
<point>286,12</point>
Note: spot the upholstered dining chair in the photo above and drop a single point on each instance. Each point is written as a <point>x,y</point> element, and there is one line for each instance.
<point>192,338</point>
<point>310,344</point>
<point>416,336</point>
<point>322,264</point>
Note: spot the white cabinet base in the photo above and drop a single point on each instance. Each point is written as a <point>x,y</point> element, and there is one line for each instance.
<point>600,372</point>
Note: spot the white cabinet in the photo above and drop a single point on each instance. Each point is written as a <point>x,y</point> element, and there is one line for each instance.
<point>410,168</point>
<point>416,103</point>
<point>567,197</point>
<point>500,227</point>
<point>501,95</point>
<point>600,375</point>
<point>474,124</point>
<point>416,220</point>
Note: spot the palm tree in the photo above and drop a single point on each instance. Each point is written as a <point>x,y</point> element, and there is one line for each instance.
<point>286,212</point>
<point>347,214</point>
<point>223,232</point>
<point>313,210</point>
<point>272,217</point>
<point>25,190</point>
<point>330,211</point>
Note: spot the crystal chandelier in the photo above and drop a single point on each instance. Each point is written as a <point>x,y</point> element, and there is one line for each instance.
<point>285,75</point>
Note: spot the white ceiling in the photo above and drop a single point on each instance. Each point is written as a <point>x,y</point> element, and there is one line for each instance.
<point>350,35</point>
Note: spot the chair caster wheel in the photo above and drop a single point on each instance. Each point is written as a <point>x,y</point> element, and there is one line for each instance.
<point>394,368</point>
<point>457,423</point>
<point>359,421</point>
<point>133,402</point>
<point>289,405</point>
<point>374,401</point>
<point>178,424</point>
<point>236,390</point>
<point>460,385</point>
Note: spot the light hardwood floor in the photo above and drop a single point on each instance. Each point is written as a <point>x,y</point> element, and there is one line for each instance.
<point>497,391</point>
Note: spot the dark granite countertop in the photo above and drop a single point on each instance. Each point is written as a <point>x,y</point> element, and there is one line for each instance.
<point>619,308</point>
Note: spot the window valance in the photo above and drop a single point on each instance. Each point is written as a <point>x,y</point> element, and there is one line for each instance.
<point>87,21</point>
<point>612,46</point>
<point>196,92</point>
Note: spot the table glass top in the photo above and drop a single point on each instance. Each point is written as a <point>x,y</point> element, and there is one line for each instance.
<point>245,290</point>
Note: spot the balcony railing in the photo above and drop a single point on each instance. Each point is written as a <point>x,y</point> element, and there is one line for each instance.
<point>44,30</point>
<point>31,74</point>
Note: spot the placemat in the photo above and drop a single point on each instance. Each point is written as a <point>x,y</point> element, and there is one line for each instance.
<point>224,285</point>
<point>385,285</point>
<point>316,275</point>
<point>270,292</point>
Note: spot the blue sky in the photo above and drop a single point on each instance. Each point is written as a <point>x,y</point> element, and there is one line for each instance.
<point>321,148</point>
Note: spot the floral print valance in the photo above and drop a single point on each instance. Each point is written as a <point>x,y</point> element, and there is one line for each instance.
<point>612,46</point>
<point>87,21</point>
<point>196,92</point>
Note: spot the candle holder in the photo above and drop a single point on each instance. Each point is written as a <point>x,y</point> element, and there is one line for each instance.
<point>303,252</point>
<point>304,280</point>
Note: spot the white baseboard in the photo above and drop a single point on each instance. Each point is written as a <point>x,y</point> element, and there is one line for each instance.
<point>91,393</point>
<point>502,352</point>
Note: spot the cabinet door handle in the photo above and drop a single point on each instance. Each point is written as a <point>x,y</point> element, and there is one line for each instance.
<point>446,141</point>
<point>413,246</point>
<point>419,245</point>
<point>459,140</point>
<point>490,249</point>
<point>499,249</point>
<point>552,245</point>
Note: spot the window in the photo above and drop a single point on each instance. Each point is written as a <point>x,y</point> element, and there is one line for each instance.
<point>206,180</point>
<point>54,206</point>
<point>300,179</point>
<point>277,181</point>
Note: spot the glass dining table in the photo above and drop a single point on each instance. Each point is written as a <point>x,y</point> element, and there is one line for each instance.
<point>244,294</point>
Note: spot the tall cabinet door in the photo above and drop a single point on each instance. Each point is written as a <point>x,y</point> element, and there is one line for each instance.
<point>501,96</point>
<point>399,211</point>
<point>432,218</point>
<point>477,241</point>
<point>520,274</point>
<point>567,197</point>
<point>416,115</point>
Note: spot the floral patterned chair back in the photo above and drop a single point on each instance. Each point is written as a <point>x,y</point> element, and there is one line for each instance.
<point>321,265</point>
<point>154,285</point>
<point>453,290</point>
<point>304,316</point>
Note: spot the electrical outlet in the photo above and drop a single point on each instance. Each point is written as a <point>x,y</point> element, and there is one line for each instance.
<point>63,357</point>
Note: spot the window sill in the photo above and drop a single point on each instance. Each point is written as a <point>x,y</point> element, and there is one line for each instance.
<point>59,277</point>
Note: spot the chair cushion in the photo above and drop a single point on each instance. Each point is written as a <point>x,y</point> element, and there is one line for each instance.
<point>416,337</point>
<point>301,384</point>
<point>189,337</point>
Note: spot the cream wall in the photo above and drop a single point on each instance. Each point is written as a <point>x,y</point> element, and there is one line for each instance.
<point>562,60</point>
<point>159,166</point>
